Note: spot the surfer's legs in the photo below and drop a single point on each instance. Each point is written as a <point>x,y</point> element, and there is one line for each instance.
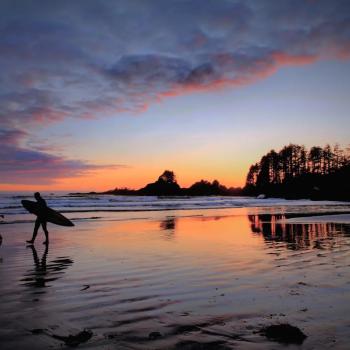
<point>35,232</point>
<point>43,224</point>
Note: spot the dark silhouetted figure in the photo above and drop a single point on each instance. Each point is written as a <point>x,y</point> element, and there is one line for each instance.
<point>40,220</point>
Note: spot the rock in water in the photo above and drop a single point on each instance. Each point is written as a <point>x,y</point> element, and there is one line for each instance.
<point>284,333</point>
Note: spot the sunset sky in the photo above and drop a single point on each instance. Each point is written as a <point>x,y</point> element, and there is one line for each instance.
<point>102,94</point>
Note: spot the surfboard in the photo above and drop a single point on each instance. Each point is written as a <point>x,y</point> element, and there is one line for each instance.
<point>47,213</point>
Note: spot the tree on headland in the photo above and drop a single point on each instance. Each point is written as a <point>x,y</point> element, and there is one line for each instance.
<point>166,185</point>
<point>168,176</point>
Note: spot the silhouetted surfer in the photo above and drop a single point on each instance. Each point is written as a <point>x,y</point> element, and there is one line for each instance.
<point>40,220</point>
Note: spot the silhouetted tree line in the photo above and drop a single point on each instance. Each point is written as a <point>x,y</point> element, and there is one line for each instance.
<point>167,185</point>
<point>295,172</point>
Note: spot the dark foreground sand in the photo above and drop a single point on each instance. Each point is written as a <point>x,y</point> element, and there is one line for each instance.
<point>176,282</point>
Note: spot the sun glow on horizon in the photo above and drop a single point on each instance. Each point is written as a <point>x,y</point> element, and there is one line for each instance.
<point>132,178</point>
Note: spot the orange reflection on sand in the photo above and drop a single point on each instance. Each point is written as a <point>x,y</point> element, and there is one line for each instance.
<point>207,231</point>
<point>194,236</point>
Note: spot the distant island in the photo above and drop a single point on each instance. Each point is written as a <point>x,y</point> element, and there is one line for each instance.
<point>292,173</point>
<point>166,185</point>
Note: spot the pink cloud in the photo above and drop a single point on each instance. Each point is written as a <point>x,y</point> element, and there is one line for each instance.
<point>20,165</point>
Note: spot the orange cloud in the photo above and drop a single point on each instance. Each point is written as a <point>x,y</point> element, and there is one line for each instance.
<point>278,59</point>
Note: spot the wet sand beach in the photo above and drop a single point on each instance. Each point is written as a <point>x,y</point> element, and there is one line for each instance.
<point>176,280</point>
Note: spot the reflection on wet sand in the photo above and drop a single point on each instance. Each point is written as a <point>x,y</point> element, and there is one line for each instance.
<point>177,282</point>
<point>43,273</point>
<point>168,227</point>
<point>168,224</point>
<point>297,236</point>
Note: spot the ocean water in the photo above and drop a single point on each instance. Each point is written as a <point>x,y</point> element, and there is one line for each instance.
<point>107,207</point>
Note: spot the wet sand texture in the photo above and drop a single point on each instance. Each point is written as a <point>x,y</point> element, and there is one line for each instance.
<point>210,282</point>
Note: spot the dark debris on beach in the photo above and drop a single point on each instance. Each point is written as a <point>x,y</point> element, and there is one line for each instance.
<point>70,340</point>
<point>284,333</point>
<point>74,340</point>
